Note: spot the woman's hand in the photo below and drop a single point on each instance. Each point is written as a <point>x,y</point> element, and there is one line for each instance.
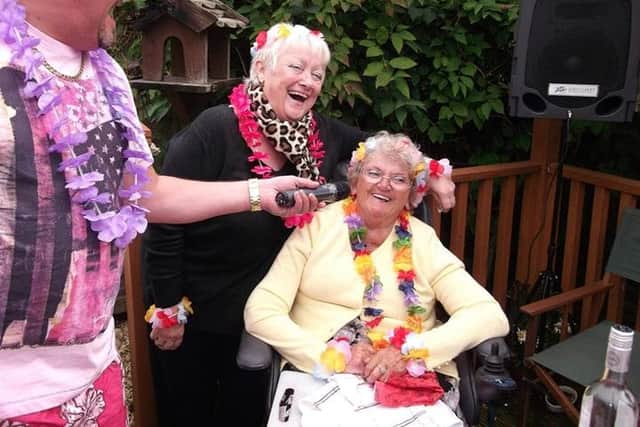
<point>361,352</point>
<point>304,203</point>
<point>168,338</point>
<point>443,188</point>
<point>383,363</point>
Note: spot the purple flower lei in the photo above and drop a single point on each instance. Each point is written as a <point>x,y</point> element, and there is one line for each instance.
<point>120,226</point>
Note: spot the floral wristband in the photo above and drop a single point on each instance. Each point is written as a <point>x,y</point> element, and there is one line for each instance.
<point>168,317</point>
<point>403,339</point>
<point>334,358</point>
<point>414,349</point>
<point>439,168</point>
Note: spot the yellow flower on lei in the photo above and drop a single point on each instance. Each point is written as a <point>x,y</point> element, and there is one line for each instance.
<point>149,313</point>
<point>360,152</point>
<point>402,260</point>
<point>283,31</point>
<point>419,353</point>
<point>333,360</point>
<point>414,322</point>
<point>186,303</point>
<point>365,267</point>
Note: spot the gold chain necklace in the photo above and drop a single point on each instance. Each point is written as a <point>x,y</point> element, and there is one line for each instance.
<point>63,76</point>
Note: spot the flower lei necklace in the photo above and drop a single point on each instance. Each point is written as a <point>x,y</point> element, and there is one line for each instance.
<point>121,225</point>
<point>402,264</point>
<point>337,354</point>
<point>252,135</point>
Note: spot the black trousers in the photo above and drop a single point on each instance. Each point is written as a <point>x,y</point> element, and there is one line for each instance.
<point>199,384</point>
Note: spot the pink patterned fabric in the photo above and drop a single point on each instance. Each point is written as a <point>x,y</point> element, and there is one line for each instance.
<point>58,281</point>
<point>102,404</point>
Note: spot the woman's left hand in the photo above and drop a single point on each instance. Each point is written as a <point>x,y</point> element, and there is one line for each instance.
<point>383,363</point>
<point>443,188</point>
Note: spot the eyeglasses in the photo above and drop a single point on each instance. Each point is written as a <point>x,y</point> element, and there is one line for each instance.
<point>374,176</point>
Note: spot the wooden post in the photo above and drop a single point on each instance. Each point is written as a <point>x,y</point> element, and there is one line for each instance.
<point>144,404</point>
<point>538,200</point>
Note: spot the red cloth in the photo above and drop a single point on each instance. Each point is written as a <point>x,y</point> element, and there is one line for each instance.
<point>405,390</point>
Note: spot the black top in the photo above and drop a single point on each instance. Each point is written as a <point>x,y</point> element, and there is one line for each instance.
<point>218,262</point>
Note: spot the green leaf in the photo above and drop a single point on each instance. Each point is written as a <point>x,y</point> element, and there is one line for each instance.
<point>382,35</point>
<point>373,69</point>
<point>435,134</point>
<point>386,107</point>
<point>401,116</point>
<point>367,43</point>
<point>374,51</point>
<point>445,113</point>
<point>467,81</point>
<point>421,119</point>
<point>468,70</point>
<point>460,37</point>
<point>406,35</point>
<point>397,42</point>
<point>333,66</point>
<point>402,63</point>
<point>455,88</point>
<point>383,79</point>
<point>351,76</point>
<point>403,87</point>
<point>497,106</point>
<point>459,109</point>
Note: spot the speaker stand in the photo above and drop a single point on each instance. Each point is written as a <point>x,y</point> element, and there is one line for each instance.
<point>548,282</point>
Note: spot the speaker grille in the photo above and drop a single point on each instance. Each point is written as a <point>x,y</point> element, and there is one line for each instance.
<point>578,42</point>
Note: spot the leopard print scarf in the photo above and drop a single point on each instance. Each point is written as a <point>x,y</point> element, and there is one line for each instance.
<point>288,138</point>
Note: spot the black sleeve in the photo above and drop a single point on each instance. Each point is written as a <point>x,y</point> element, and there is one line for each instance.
<point>196,153</point>
<point>350,136</point>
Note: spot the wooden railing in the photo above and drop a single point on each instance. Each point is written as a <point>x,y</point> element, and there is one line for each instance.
<point>500,227</point>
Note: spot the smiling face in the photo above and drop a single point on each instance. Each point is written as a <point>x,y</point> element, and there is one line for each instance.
<point>382,202</point>
<point>293,83</point>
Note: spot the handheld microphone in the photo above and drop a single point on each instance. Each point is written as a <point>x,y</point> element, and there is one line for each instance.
<point>324,193</point>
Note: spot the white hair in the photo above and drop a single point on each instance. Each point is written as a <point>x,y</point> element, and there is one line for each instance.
<point>283,35</point>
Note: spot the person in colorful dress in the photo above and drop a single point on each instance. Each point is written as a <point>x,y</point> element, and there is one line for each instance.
<point>356,290</point>
<point>269,129</point>
<point>76,186</point>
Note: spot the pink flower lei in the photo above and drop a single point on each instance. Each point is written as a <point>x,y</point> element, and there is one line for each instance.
<point>252,135</point>
<point>121,225</point>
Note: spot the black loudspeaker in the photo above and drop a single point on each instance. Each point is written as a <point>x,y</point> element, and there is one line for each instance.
<point>578,56</point>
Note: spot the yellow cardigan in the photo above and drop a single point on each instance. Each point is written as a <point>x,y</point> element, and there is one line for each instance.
<point>312,290</point>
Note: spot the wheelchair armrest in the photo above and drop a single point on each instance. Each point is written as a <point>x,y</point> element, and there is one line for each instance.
<point>469,402</point>
<point>253,354</point>
<point>256,355</point>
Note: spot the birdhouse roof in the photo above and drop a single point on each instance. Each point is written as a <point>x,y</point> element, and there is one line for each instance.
<point>198,15</point>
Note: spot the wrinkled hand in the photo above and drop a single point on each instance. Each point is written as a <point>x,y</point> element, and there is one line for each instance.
<point>167,338</point>
<point>360,353</point>
<point>383,363</point>
<point>303,202</point>
<point>443,188</point>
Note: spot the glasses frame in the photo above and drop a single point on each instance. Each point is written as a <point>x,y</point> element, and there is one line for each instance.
<point>365,173</point>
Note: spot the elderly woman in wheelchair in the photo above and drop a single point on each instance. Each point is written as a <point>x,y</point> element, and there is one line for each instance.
<point>356,290</point>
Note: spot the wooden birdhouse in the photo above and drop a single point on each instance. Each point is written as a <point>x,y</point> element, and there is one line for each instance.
<point>185,44</point>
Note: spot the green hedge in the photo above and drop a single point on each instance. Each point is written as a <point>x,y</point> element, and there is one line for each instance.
<point>426,67</point>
